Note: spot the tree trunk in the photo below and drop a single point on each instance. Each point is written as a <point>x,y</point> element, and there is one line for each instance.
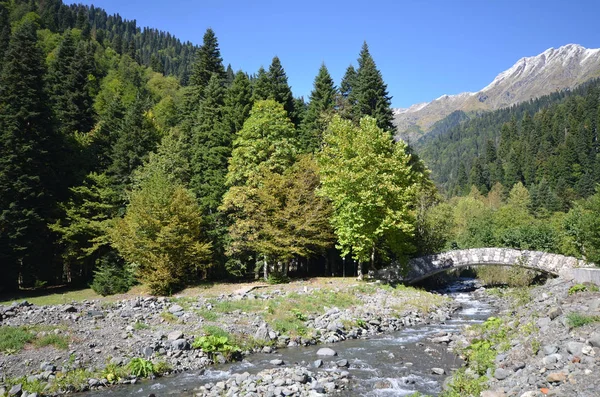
<point>373,258</point>
<point>265,269</point>
<point>286,268</point>
<point>359,272</point>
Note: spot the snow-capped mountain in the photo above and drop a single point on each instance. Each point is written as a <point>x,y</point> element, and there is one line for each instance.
<point>531,77</point>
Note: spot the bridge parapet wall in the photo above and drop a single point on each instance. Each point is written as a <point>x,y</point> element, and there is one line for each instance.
<point>426,266</point>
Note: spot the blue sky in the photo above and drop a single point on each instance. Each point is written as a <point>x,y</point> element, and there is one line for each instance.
<point>424,48</point>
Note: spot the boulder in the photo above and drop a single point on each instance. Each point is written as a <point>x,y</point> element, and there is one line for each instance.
<point>326,351</point>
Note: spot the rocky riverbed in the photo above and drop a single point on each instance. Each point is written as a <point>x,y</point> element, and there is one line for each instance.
<point>552,346</point>
<point>103,335</point>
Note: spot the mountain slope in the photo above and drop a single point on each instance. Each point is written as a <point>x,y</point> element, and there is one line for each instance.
<point>531,77</point>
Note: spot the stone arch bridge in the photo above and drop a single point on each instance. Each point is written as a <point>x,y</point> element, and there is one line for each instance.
<point>427,266</point>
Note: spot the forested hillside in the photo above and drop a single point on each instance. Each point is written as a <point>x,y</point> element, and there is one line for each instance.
<point>121,164</point>
<point>549,144</point>
<point>159,50</point>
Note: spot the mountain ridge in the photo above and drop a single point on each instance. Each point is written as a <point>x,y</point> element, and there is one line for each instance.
<point>553,70</point>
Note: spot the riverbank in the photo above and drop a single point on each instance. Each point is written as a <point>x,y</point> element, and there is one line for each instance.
<point>91,344</point>
<point>545,341</point>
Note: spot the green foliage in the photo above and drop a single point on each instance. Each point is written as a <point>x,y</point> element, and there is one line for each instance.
<point>510,276</point>
<point>29,150</point>
<point>267,139</point>
<point>112,276</point>
<point>321,104</point>
<point>162,368</point>
<point>576,320</point>
<point>141,367</point>
<point>58,341</point>
<point>373,200</point>
<point>139,326</point>
<point>13,339</point>
<point>463,385</point>
<point>577,288</point>
<point>369,93</point>
<point>162,234</point>
<point>212,344</point>
<point>547,144</point>
<point>275,278</point>
<point>114,373</point>
<point>299,315</point>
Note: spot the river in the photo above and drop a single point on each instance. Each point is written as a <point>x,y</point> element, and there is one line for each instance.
<point>395,364</point>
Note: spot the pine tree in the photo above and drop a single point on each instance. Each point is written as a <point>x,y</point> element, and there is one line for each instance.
<point>71,98</point>
<point>211,147</point>
<point>346,100</point>
<point>230,75</point>
<point>238,102</point>
<point>28,151</point>
<point>4,32</point>
<point>261,88</point>
<point>322,100</point>
<point>208,61</point>
<point>135,139</point>
<point>280,90</point>
<point>370,92</point>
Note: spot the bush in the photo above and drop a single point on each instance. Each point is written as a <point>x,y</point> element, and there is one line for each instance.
<point>211,344</point>
<point>112,276</point>
<point>141,367</point>
<point>277,278</point>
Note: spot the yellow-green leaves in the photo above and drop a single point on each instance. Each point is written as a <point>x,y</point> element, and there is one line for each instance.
<point>162,234</point>
<point>372,188</point>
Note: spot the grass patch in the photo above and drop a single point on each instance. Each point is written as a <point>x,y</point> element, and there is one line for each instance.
<point>58,341</point>
<point>139,326</point>
<point>207,315</point>
<point>215,331</point>
<point>576,320</point>
<point>55,298</point>
<point>13,339</point>
<point>169,317</point>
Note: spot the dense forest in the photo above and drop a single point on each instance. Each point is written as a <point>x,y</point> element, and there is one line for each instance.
<point>549,144</point>
<point>127,156</point>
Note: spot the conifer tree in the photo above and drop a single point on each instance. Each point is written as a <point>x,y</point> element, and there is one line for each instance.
<point>71,98</point>
<point>28,150</point>
<point>370,92</point>
<point>238,102</point>
<point>229,75</point>
<point>4,32</point>
<point>322,100</point>
<point>280,90</point>
<point>261,88</point>
<point>211,147</point>
<point>208,61</point>
<point>346,100</point>
<point>135,139</point>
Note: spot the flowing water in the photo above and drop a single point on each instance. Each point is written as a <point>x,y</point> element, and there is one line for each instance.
<point>394,364</point>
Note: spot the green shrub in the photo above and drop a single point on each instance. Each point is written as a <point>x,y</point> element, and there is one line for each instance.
<point>299,315</point>
<point>162,367</point>
<point>576,320</point>
<point>583,288</point>
<point>114,373</point>
<point>211,344</point>
<point>215,331</point>
<point>277,278</point>
<point>141,367</point>
<point>112,276</point>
